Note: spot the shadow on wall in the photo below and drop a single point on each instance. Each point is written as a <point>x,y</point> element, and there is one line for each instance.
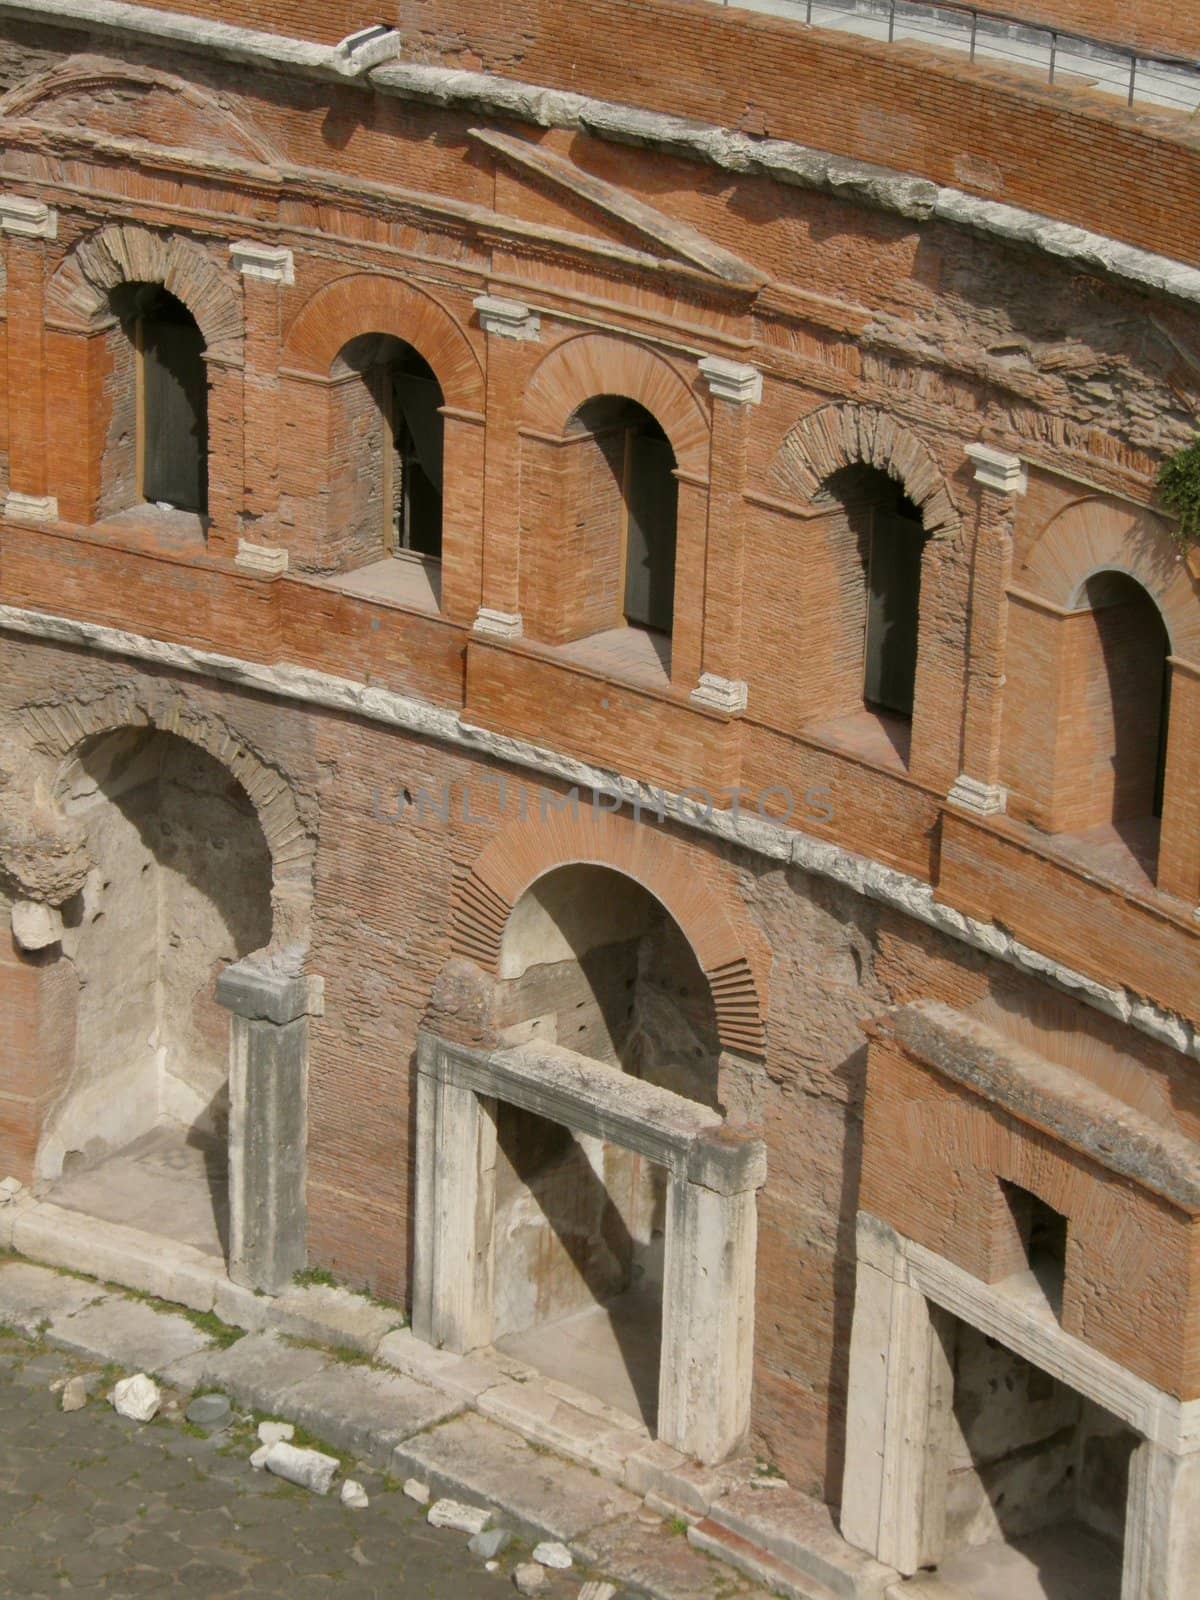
<point>180,888</point>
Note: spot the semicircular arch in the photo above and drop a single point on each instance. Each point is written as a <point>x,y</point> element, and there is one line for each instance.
<point>585,366</point>
<point>368,303</point>
<point>1094,535</point>
<point>290,839</point>
<point>838,436</point>
<point>78,293</point>
<point>520,856</point>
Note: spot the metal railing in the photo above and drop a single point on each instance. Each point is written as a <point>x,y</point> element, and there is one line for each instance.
<point>1062,54</point>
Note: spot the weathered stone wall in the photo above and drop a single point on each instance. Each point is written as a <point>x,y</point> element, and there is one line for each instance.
<point>1025,1452</point>
<point>179,888</point>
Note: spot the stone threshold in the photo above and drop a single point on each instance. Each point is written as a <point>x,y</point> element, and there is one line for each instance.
<point>348,1369</point>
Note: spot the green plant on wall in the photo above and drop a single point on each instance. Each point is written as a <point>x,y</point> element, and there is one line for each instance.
<point>1179,492</point>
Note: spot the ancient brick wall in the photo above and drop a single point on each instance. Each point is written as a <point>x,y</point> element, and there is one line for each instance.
<point>970,127</point>
<point>879,339</point>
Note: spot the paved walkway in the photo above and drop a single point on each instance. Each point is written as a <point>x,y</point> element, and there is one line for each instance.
<point>91,1504</point>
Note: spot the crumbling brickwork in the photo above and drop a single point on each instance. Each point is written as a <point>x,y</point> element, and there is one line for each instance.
<point>404,747</point>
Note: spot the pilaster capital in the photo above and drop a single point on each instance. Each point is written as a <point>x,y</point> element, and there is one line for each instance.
<point>27,219</point>
<point>732,380</point>
<point>273,263</point>
<point>998,469</point>
<point>507,319</point>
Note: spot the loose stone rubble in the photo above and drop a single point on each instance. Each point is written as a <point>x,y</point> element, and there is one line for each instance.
<point>529,1578</point>
<point>270,1433</point>
<point>138,1398</point>
<point>354,1495</point>
<point>453,1514</point>
<point>74,1395</point>
<point>549,1553</point>
<point>489,1543</point>
<point>310,1469</point>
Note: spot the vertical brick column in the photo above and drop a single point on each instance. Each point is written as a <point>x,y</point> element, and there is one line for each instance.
<point>463,468</point>
<point>38,1001</point>
<point>26,226</point>
<point>735,388</point>
<point>226,455</point>
<point>268,1123</point>
<point>1179,839</point>
<point>1000,478</point>
<point>266,270</point>
<point>509,325</point>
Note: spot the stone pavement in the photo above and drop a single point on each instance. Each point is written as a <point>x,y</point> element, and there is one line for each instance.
<point>93,1504</point>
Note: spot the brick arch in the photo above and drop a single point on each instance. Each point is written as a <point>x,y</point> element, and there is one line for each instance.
<point>840,436</point>
<point>1096,534</point>
<point>365,302</point>
<point>514,861</point>
<point>59,730</point>
<point>77,295</point>
<point>588,365</point>
<point>71,90</point>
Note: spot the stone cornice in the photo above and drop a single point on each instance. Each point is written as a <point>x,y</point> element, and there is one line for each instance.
<point>910,896</point>
<point>919,199</point>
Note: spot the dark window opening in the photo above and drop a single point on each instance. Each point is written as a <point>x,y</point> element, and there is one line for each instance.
<point>1043,1235</point>
<point>891,542</point>
<point>1134,647</point>
<point>172,400</point>
<point>633,499</point>
<point>894,544</point>
<point>652,504</point>
<point>412,405</point>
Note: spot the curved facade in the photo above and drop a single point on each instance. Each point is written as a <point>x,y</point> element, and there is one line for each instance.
<point>746,883</point>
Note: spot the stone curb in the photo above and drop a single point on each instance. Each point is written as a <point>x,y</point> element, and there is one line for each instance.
<point>477,1428</point>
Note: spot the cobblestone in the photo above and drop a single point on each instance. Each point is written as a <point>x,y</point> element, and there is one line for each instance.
<point>92,1504</point>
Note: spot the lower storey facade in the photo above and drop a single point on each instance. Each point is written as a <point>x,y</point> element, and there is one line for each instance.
<point>761,1160</point>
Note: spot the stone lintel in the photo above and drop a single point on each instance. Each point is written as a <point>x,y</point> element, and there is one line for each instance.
<point>727,1162</point>
<point>31,507</point>
<point>499,624</point>
<point>508,319</point>
<point>260,994</point>
<point>264,558</point>
<point>983,799</point>
<point>721,694</point>
<point>274,263</point>
<point>998,469</point>
<point>27,219</point>
<point>732,380</point>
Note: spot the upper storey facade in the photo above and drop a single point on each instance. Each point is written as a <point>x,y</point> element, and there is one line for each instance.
<point>827,486</point>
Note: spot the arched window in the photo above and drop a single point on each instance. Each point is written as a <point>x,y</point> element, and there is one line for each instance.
<point>1125,701</point>
<point>622,507</point>
<point>891,540</point>
<point>386,488</point>
<point>412,399</point>
<point>172,401</point>
<point>882,606</point>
